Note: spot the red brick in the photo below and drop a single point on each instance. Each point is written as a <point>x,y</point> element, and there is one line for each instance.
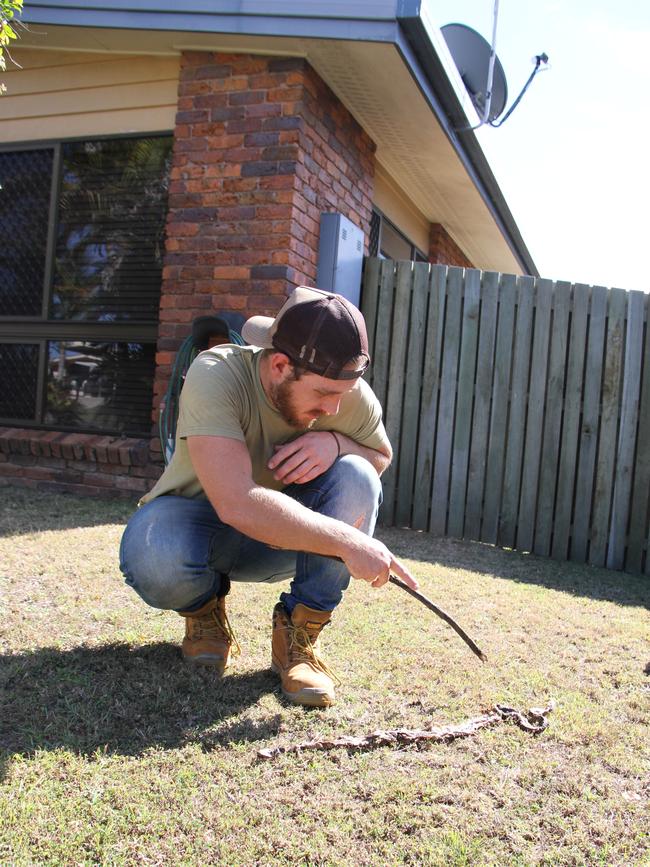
<point>103,480</point>
<point>131,483</point>
<point>228,272</point>
<point>100,449</point>
<point>35,441</point>
<point>66,448</point>
<point>55,463</point>
<point>40,473</point>
<point>113,452</point>
<point>10,469</point>
<point>150,471</point>
<point>443,250</point>
<point>264,109</point>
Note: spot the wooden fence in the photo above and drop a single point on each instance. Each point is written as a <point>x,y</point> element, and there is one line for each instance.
<point>518,408</point>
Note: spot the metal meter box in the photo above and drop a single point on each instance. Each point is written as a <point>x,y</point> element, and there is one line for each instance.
<point>340,256</point>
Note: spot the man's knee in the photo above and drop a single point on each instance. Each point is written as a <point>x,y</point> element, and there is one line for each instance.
<point>357,492</point>
<point>360,475</point>
<point>161,562</point>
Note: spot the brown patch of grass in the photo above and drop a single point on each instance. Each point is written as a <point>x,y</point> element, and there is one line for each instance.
<point>114,752</point>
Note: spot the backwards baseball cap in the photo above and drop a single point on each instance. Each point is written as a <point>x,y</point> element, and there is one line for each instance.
<point>320,331</point>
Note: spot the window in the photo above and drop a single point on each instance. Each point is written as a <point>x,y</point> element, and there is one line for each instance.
<point>387,242</point>
<point>82,227</point>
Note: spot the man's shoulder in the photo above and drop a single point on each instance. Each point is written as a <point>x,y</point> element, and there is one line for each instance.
<point>227,355</point>
<point>228,362</point>
<point>225,372</point>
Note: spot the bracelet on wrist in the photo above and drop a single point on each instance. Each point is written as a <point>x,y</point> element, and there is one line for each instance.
<point>338,445</point>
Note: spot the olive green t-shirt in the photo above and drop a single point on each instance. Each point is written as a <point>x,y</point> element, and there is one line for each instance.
<point>223,396</point>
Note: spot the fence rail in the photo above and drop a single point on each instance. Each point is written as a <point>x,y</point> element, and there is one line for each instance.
<point>518,408</point>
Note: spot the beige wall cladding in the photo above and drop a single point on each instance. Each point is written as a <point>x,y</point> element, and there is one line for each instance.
<point>59,94</point>
<point>395,204</point>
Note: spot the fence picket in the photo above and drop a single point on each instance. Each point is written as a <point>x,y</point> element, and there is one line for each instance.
<point>429,399</point>
<point>507,298</point>
<point>381,349</point>
<point>395,389</point>
<point>445,426</point>
<point>464,403</point>
<point>409,432</point>
<point>535,417</point>
<point>481,416</point>
<point>609,421</point>
<point>627,432</point>
<point>552,419</point>
<point>571,426</point>
<point>590,425</point>
<point>369,297</point>
<point>641,486</point>
<point>517,418</point>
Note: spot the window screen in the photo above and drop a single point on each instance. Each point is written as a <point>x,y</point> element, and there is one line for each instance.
<point>109,246</point>
<point>19,366</point>
<point>80,282</point>
<point>25,191</point>
<point>99,386</point>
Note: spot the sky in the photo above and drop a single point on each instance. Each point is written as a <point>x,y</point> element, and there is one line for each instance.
<point>573,159</point>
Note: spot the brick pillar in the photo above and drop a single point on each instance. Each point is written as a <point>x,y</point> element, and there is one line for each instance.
<point>261,147</point>
<point>443,250</point>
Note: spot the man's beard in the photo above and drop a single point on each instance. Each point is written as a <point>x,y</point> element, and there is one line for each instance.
<point>283,402</point>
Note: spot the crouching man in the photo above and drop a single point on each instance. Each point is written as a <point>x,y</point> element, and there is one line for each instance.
<point>275,476</point>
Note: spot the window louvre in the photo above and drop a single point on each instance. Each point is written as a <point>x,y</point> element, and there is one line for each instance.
<point>375,229</point>
<point>388,242</point>
<point>109,248</point>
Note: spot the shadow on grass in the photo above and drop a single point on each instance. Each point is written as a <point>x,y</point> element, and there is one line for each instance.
<point>25,511</point>
<point>124,700</point>
<point>577,579</point>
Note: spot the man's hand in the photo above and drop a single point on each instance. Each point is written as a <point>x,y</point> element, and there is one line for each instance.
<point>370,560</point>
<point>304,458</point>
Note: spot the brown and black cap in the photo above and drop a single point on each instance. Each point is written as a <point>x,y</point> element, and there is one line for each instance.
<point>320,331</point>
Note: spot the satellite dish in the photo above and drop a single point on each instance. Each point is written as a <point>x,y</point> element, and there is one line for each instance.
<point>471,55</point>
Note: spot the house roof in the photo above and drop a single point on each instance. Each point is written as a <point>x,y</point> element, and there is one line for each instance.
<point>385,59</point>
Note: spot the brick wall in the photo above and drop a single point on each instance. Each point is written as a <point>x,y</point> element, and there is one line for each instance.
<point>78,463</point>
<point>262,147</point>
<point>443,250</point>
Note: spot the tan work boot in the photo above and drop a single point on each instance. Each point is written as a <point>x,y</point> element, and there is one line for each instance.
<point>209,639</point>
<point>305,678</point>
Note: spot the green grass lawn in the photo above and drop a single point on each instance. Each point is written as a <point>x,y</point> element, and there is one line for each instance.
<point>114,752</point>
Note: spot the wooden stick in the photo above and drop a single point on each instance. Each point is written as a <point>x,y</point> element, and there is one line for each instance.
<point>436,610</point>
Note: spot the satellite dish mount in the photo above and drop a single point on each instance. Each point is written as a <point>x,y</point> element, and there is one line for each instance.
<point>481,71</point>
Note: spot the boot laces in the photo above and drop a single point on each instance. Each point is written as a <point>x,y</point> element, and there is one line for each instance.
<point>302,649</point>
<point>216,625</point>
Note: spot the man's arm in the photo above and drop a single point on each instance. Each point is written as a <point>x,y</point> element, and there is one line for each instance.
<point>379,458</point>
<point>223,467</point>
<point>311,454</point>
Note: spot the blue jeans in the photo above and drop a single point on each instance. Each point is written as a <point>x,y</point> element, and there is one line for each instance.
<point>177,554</point>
